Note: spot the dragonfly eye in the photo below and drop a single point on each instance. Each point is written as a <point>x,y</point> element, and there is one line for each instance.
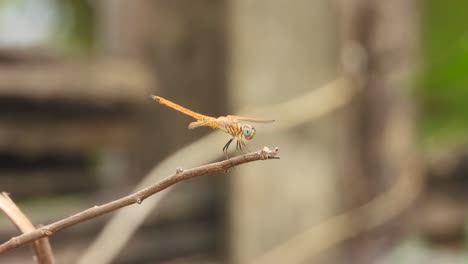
<point>248,131</point>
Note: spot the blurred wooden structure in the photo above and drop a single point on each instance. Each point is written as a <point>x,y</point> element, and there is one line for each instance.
<point>84,131</point>
<point>56,118</point>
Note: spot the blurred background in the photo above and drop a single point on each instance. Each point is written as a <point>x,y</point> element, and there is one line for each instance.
<point>371,106</point>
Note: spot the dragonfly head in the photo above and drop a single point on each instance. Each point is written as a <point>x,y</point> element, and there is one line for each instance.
<point>248,131</point>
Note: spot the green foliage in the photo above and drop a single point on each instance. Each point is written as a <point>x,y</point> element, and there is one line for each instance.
<point>75,31</point>
<point>444,84</point>
<point>73,26</point>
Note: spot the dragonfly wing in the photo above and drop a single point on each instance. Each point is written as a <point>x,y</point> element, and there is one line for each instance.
<point>250,119</point>
<point>196,124</point>
<point>226,121</point>
<point>200,123</point>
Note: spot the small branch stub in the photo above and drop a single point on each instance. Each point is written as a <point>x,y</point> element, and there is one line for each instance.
<point>46,231</point>
<point>266,153</point>
<point>139,200</point>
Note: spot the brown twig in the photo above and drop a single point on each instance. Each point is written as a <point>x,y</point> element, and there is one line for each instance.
<point>41,247</point>
<point>136,197</point>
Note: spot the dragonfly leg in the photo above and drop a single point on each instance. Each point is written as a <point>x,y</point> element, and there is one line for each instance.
<point>243,145</point>
<point>225,148</point>
<point>239,146</point>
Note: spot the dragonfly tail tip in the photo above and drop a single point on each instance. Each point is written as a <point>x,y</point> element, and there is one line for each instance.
<point>156,98</point>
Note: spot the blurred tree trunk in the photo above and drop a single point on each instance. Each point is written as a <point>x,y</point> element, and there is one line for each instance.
<point>281,50</point>
<point>384,35</point>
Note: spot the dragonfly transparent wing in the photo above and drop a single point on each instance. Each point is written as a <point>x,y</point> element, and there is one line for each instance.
<point>200,123</point>
<point>250,119</point>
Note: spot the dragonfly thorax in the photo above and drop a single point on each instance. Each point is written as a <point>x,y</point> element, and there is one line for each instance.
<point>248,131</point>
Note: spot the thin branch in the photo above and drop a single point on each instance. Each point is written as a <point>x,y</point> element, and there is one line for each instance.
<point>136,197</point>
<point>41,247</point>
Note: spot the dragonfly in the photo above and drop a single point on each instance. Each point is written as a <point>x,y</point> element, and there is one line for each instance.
<point>230,124</point>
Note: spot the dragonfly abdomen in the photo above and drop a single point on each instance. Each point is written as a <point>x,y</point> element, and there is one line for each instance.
<point>182,109</point>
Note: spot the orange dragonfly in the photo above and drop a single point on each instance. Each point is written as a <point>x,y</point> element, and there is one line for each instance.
<point>230,124</point>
